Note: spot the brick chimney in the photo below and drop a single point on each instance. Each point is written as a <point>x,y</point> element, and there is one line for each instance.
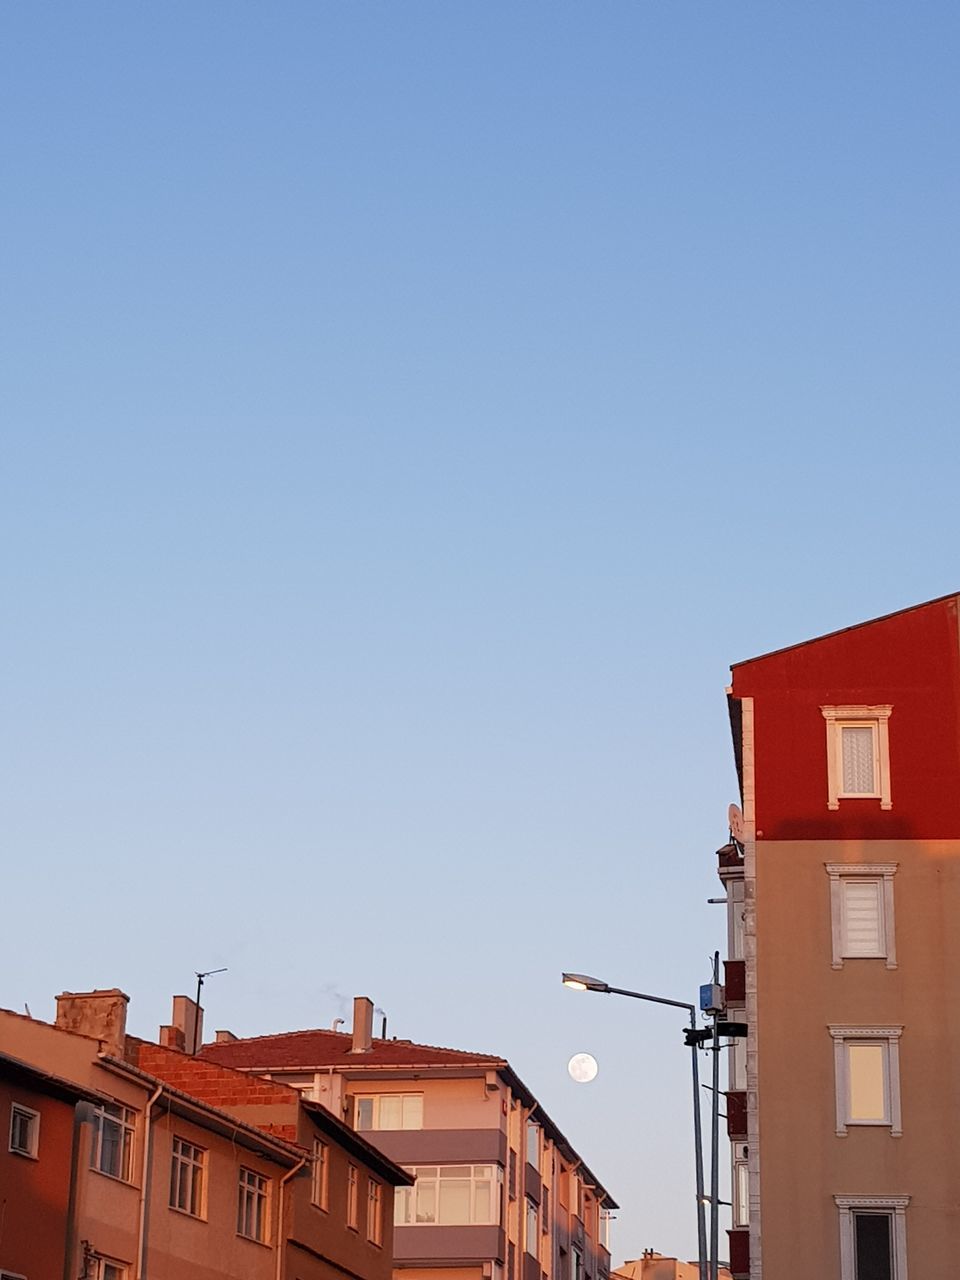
<point>225,1037</point>
<point>100,1014</point>
<point>185,1031</point>
<point>362,1025</point>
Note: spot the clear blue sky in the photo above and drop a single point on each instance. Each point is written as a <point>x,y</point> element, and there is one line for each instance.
<point>410,410</point>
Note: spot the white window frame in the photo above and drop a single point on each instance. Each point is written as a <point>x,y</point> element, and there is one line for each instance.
<point>737,1055</point>
<point>374,1211</point>
<point>531,1227</point>
<point>125,1118</point>
<point>188,1180</point>
<point>887,1038</point>
<point>320,1180</point>
<point>532,1139</point>
<point>353,1197</point>
<point>33,1129</point>
<point>895,1208</point>
<point>120,1268</point>
<point>885,871</point>
<point>376,1099</point>
<point>405,1214</point>
<point>876,718</point>
<point>253,1194</point>
<point>11,1275</point>
<point>740,1188</point>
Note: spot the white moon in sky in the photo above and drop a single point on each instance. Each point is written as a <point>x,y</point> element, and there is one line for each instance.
<point>583,1068</point>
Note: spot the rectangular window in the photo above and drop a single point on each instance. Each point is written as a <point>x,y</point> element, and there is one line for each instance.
<point>451,1195</point>
<point>873,1237</point>
<point>741,1185</point>
<point>186,1178</point>
<point>577,1264</point>
<point>353,1197</point>
<point>533,1144</point>
<point>112,1144</point>
<point>862,917</point>
<point>861,908</point>
<point>858,754</point>
<point>252,1205</point>
<point>737,1061</point>
<point>374,1212</point>
<point>389,1111</point>
<point>736,905</point>
<point>859,762</point>
<point>867,1065</point>
<point>321,1174</point>
<point>531,1236</point>
<point>545,1209</point>
<point>108,1270</point>
<point>24,1130</point>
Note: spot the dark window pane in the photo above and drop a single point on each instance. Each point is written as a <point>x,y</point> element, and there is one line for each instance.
<point>873,1246</point>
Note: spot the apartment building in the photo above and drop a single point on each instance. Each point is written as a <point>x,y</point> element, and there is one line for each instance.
<point>843,891</point>
<point>499,1192</point>
<point>127,1160</point>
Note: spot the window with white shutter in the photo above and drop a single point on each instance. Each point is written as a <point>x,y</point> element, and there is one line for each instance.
<point>861,909</point>
<point>862,917</point>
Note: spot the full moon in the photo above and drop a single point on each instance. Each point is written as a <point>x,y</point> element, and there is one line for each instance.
<point>583,1068</point>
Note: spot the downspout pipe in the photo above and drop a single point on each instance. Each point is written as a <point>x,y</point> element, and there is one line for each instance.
<point>281,1242</point>
<point>82,1114</point>
<point>145,1184</point>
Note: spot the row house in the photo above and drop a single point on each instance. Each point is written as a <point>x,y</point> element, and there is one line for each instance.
<point>843,893</point>
<point>499,1193</point>
<point>138,1161</point>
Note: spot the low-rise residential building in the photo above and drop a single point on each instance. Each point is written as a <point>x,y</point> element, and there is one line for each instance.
<point>140,1161</point>
<point>499,1192</point>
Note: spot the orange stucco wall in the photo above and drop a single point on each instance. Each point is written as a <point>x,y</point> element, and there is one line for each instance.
<point>34,1193</point>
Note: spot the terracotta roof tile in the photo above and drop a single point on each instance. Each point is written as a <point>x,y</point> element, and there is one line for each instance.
<point>319,1048</point>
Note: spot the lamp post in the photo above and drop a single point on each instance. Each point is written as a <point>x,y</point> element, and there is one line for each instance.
<point>694,1037</point>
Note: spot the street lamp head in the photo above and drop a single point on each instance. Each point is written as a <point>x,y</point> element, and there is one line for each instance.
<point>581,982</point>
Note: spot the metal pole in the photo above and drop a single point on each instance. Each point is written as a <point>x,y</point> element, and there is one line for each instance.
<point>698,1147</point>
<point>715,1140</point>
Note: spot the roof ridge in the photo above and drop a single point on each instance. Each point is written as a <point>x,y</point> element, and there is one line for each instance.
<point>326,1031</point>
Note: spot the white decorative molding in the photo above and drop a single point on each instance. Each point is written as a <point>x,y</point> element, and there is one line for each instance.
<point>879,717</point>
<point>889,1038</point>
<point>884,871</point>
<point>895,1207</point>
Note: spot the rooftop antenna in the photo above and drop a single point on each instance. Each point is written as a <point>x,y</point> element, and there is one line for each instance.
<point>196,1021</point>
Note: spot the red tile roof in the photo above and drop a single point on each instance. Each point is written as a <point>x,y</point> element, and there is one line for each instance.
<point>320,1048</point>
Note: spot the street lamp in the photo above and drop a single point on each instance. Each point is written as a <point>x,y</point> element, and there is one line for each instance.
<point>694,1038</point>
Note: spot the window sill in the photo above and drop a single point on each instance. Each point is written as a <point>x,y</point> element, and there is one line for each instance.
<point>26,1155</point>
<point>115,1177</point>
<point>264,1244</point>
<point>185,1213</point>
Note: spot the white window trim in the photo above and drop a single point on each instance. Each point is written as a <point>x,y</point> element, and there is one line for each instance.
<point>884,871</point>
<point>836,717</point>
<point>895,1206</point>
<point>376,1100</point>
<point>31,1152</point>
<point>890,1038</point>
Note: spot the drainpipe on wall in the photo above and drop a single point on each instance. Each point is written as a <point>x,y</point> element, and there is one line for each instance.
<point>145,1185</point>
<point>82,1114</point>
<point>281,1243</point>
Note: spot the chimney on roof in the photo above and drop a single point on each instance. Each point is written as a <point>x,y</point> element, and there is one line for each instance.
<point>185,1031</point>
<point>100,1014</point>
<point>362,1025</point>
<point>225,1037</point>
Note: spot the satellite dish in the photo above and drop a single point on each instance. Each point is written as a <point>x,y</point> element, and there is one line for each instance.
<point>735,820</point>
